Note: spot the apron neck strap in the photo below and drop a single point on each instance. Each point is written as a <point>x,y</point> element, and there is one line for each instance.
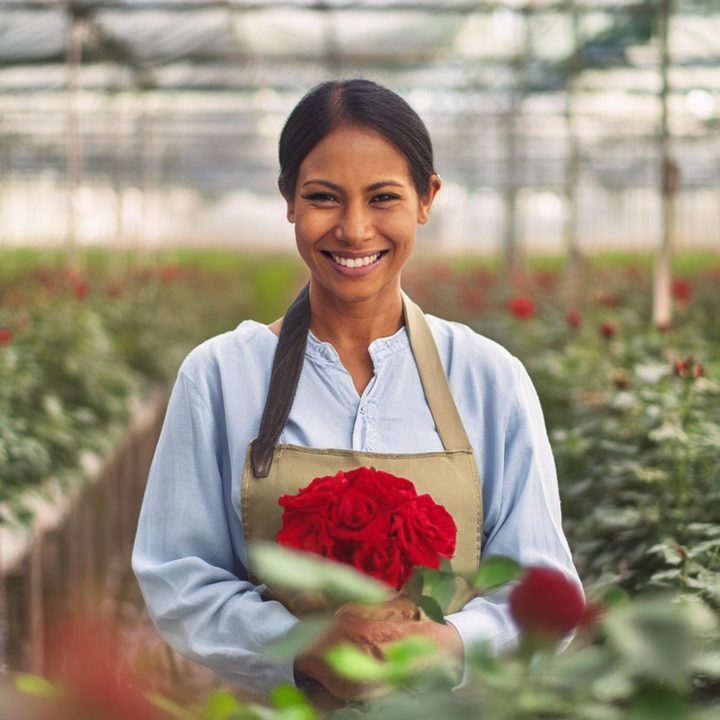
<point>287,366</point>
<point>434,381</point>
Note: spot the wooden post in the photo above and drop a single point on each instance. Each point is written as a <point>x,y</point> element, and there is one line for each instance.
<point>36,605</point>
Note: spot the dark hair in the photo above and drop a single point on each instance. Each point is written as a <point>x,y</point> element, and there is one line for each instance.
<point>360,102</point>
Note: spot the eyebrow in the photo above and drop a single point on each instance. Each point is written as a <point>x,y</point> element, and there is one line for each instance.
<point>333,186</point>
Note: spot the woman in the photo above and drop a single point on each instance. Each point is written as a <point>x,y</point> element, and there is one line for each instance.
<point>353,375</point>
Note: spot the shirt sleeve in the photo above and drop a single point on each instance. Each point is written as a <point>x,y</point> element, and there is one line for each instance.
<point>184,558</point>
<point>528,526</point>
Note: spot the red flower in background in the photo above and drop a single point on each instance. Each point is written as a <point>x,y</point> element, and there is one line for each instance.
<point>681,290</point>
<point>574,319</point>
<point>688,367</point>
<point>607,299</point>
<point>608,330</point>
<point>546,605</point>
<point>521,307</point>
<point>370,519</point>
<point>6,336</point>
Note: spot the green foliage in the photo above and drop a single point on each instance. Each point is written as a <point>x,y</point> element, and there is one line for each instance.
<point>279,566</point>
<point>78,343</point>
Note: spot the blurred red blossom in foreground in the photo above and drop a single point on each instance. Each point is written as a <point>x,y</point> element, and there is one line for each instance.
<point>546,605</point>
<point>6,336</point>
<point>88,664</point>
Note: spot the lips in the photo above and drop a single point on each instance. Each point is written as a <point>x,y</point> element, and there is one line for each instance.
<point>354,260</point>
<point>353,264</point>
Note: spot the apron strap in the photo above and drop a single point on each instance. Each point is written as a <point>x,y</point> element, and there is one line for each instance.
<point>434,381</point>
<point>287,365</point>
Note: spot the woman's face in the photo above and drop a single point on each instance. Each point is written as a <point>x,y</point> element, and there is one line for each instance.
<point>355,211</point>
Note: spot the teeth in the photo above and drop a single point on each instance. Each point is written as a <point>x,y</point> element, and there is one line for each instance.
<point>355,262</point>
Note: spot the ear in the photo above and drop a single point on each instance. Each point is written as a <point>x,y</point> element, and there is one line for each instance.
<point>290,213</point>
<point>425,202</point>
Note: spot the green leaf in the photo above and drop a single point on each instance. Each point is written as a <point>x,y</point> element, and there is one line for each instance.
<point>300,637</point>
<point>432,609</point>
<point>657,703</point>
<point>296,570</point>
<point>285,696</point>
<point>410,649</point>
<point>441,586</point>
<point>654,637</point>
<point>495,571</point>
<point>348,661</point>
<point>615,597</point>
<point>220,705</point>
<point>35,685</point>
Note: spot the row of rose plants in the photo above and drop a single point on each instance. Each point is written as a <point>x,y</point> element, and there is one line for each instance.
<point>79,342</point>
<point>633,410</point>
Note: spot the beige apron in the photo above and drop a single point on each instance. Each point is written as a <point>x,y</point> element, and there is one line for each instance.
<point>451,477</point>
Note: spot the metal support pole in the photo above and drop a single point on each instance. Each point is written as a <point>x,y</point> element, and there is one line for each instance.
<point>572,169</point>
<point>662,299</point>
<point>73,161</point>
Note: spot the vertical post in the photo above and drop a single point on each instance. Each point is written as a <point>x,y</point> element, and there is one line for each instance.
<point>662,300</point>
<point>572,169</point>
<point>4,623</point>
<point>73,147</point>
<point>36,605</point>
<point>512,247</point>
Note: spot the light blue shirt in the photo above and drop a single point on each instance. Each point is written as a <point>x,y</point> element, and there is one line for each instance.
<point>189,554</point>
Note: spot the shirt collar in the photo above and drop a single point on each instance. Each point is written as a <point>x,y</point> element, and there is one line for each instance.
<point>378,349</point>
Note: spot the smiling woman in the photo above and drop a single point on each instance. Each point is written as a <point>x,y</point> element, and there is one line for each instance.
<point>354,375</point>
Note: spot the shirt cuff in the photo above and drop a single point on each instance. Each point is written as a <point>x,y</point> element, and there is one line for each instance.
<point>476,627</point>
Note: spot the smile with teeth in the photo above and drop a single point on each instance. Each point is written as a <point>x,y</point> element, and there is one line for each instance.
<point>358,261</point>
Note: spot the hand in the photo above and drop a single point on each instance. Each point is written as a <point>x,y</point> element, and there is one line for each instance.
<point>370,628</point>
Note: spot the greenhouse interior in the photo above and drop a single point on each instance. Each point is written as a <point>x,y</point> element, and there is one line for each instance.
<point>575,236</point>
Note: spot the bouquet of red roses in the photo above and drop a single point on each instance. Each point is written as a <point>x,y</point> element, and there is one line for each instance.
<point>371,520</point>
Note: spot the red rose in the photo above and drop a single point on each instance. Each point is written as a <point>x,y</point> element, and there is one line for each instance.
<point>6,336</point>
<point>384,562</point>
<point>308,532</point>
<point>681,290</point>
<point>425,531</point>
<point>318,496</point>
<point>370,519</point>
<point>546,605</point>
<point>608,330</point>
<point>521,307</point>
<point>574,319</point>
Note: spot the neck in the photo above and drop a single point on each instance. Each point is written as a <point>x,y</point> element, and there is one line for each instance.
<point>343,323</point>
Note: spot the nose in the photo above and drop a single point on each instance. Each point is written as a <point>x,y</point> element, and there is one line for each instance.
<point>354,225</point>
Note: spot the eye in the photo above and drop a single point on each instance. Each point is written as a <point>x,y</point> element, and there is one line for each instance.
<point>385,197</point>
<point>319,197</point>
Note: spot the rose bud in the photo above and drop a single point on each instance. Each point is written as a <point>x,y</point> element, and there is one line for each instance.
<point>546,606</point>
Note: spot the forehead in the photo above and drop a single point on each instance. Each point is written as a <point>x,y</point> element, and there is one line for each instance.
<point>353,152</point>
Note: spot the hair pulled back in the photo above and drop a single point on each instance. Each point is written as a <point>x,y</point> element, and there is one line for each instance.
<point>360,102</point>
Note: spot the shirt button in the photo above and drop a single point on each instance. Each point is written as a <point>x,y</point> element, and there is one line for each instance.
<point>362,410</point>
